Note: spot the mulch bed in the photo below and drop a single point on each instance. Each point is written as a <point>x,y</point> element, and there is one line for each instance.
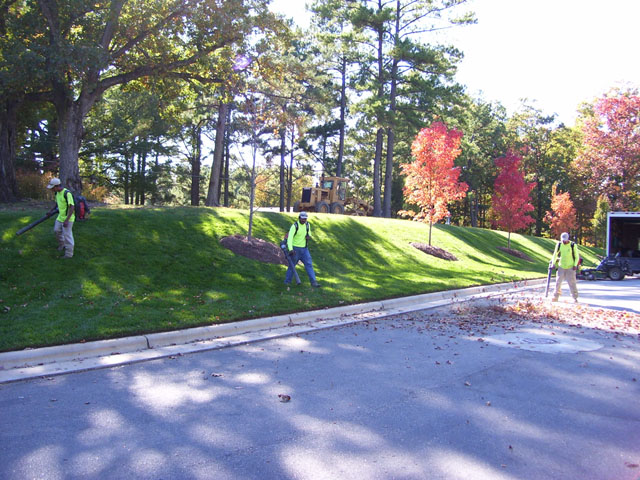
<point>516,253</point>
<point>256,249</point>
<point>435,251</point>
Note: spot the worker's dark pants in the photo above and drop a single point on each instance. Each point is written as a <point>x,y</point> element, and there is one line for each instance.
<point>302,254</point>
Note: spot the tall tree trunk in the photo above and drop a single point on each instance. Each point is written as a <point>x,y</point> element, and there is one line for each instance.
<point>126,182</point>
<point>377,207</point>
<point>227,156</point>
<point>8,129</point>
<point>196,162</point>
<point>133,180</point>
<point>213,199</point>
<point>343,113</point>
<point>377,159</point>
<point>473,208</point>
<point>155,169</point>
<point>221,173</point>
<point>388,172</point>
<point>283,148</point>
<point>143,177</point>
<point>252,185</point>
<point>70,130</point>
<point>290,172</point>
<point>138,166</point>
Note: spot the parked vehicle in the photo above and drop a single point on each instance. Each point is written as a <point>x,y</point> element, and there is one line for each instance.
<point>330,197</point>
<point>623,248</point>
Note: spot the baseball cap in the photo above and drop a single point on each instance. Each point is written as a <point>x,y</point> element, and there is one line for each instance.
<point>564,237</point>
<point>304,215</point>
<point>53,182</point>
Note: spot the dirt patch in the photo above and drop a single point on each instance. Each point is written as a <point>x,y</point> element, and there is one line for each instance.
<point>516,253</point>
<point>256,249</point>
<point>435,251</point>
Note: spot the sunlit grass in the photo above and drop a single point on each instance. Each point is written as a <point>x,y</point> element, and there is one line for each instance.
<point>153,269</point>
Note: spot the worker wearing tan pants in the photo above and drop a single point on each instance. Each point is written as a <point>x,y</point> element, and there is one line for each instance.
<point>63,227</point>
<point>566,257</point>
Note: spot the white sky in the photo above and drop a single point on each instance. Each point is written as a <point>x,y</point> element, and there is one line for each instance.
<point>555,53</point>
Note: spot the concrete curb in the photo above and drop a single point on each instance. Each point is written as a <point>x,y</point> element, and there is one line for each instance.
<point>33,363</point>
<point>40,356</point>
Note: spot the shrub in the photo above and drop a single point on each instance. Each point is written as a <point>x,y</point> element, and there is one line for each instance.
<point>95,193</point>
<point>33,185</point>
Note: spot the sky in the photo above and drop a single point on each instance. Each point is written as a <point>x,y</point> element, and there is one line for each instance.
<point>556,54</point>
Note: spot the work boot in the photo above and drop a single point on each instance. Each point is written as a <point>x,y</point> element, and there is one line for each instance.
<point>315,285</point>
<point>554,299</point>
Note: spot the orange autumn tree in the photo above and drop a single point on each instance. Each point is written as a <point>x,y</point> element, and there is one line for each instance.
<point>610,157</point>
<point>562,217</point>
<point>510,203</point>
<point>432,180</point>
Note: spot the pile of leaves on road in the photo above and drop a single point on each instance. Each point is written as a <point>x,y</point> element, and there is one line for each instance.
<point>579,315</point>
<point>473,317</point>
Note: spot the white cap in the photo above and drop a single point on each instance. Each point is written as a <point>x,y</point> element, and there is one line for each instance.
<point>53,182</point>
<point>564,237</point>
<point>303,215</point>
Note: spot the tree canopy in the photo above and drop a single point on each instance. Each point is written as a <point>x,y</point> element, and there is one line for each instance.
<point>151,103</point>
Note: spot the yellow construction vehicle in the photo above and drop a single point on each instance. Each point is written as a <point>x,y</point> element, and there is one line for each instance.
<point>329,196</point>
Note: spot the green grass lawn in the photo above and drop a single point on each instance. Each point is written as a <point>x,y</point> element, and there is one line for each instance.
<point>142,270</point>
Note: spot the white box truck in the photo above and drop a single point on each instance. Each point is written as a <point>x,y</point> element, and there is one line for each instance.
<point>623,247</point>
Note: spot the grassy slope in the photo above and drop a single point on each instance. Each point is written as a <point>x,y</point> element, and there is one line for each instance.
<point>144,270</point>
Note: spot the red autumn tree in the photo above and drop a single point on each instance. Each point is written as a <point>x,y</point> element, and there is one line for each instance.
<point>562,217</point>
<point>611,153</point>
<point>432,180</point>
<point>510,202</point>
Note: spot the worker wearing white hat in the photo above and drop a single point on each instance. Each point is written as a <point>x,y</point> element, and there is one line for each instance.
<point>63,228</point>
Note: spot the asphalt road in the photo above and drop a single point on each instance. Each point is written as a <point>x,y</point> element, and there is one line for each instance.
<point>407,397</point>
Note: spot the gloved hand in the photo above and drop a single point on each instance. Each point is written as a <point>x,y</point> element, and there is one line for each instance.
<point>292,253</point>
<point>308,237</point>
